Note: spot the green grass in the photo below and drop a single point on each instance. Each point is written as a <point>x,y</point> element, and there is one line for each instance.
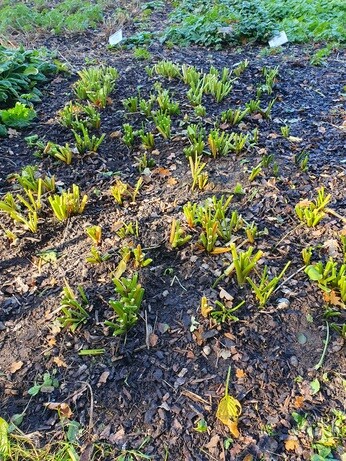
<point>67,15</point>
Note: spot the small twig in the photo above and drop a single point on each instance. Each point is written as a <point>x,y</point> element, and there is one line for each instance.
<point>287,234</point>
<point>334,213</point>
<point>176,278</point>
<point>288,278</point>
<point>326,342</point>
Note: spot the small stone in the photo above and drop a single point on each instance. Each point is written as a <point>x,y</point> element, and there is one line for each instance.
<point>294,361</point>
<point>207,350</point>
<point>283,303</point>
<point>165,293</point>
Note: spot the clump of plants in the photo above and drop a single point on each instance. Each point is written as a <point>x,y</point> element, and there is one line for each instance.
<point>126,308</point>
<point>95,84</point>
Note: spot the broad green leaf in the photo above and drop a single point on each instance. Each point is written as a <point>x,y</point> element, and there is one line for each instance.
<point>313,273</point>
<point>315,386</point>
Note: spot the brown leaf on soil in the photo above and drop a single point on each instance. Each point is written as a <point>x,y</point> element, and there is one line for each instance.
<point>298,401</point>
<point>59,362</point>
<point>103,378</point>
<point>172,182</point>
<point>163,172</point>
<point>248,457</point>
<point>15,366</point>
<point>240,373</point>
<point>153,339</point>
<point>332,298</point>
<point>291,444</point>
<point>63,409</point>
<point>332,247</point>
<point>51,341</point>
<point>212,443</point>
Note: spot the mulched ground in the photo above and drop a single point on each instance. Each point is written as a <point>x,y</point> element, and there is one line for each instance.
<point>169,372</point>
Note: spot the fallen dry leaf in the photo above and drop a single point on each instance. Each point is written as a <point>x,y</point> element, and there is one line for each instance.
<point>240,373</point>
<point>291,444</point>
<point>15,366</point>
<point>63,409</point>
<point>332,298</point>
<point>153,339</point>
<point>59,362</point>
<point>103,378</point>
<point>298,401</point>
<point>172,182</point>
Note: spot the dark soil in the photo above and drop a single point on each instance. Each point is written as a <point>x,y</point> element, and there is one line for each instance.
<point>169,372</point>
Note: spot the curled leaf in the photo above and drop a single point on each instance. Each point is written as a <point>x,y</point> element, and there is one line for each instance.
<point>205,308</point>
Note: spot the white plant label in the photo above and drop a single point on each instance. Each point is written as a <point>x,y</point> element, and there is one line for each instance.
<point>278,40</point>
<point>116,38</point>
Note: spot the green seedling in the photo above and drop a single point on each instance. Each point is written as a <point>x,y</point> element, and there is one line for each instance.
<point>73,311</point>
<point>266,113</point>
<point>220,143</point>
<point>167,69</point>
<point>144,162</point>
<point>119,191</point>
<point>190,75</point>
<point>251,232</point>
<point>148,141</point>
<point>131,104</point>
<point>234,117</point>
<point>343,244</point>
<point>128,229</point>
<point>222,314</point>
<point>164,102</point>
<point>73,114</point>
<point>285,131</point>
<point>146,107</point>
<point>68,203</point>
<point>301,160</point>
<point>95,84</point>
<point>13,209</point>
<point>267,160</point>
<point>127,307</point>
<point>62,153</point>
<point>264,290</point>
<point>253,106</point>
<point>306,255</point>
<point>191,214</point>
<point>329,276</point>
<point>209,235</point>
<point>270,79</point>
<point>96,257</point>
<point>200,111</point>
<point>128,135</point>
<point>195,133</point>
<point>142,54</point>
<point>228,226</point>
<point>243,263</point>
<point>240,68</point>
<point>95,233</point>
<point>48,385</point>
<point>85,143</point>
<point>196,91</point>
<point>139,256</point>
<point>163,124</point>
<point>217,88</point>
<point>256,170</point>
<point>238,189</point>
<point>199,178</point>
<point>311,213</point>
<point>177,236</point>
<point>29,179</point>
